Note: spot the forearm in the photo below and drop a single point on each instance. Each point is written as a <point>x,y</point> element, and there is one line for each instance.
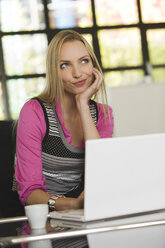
<point>89,128</point>
<point>40,197</point>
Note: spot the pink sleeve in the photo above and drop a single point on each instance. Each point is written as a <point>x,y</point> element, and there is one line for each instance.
<point>30,133</point>
<point>105,127</point>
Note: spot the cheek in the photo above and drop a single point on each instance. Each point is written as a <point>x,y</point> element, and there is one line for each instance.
<point>90,74</point>
<point>89,70</point>
<point>64,75</point>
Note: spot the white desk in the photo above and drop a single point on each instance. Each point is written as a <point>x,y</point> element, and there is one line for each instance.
<point>138,231</point>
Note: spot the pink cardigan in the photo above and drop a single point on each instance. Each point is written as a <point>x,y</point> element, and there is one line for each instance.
<point>30,133</point>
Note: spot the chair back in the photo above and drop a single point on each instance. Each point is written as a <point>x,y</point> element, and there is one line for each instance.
<point>9,203</point>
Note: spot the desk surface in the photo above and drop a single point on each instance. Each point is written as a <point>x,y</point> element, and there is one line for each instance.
<point>147,230</point>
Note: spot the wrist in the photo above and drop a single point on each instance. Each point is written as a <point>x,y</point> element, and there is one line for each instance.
<point>83,107</point>
<point>81,101</point>
<point>52,201</point>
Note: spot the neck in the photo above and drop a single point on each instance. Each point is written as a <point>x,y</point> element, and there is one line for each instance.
<point>70,107</point>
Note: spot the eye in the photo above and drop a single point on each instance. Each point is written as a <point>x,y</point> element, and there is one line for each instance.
<point>63,65</point>
<point>85,61</point>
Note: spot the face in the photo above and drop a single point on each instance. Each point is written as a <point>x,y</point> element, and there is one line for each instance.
<point>76,67</point>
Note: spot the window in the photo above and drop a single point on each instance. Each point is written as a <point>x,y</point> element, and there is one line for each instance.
<point>127,37</point>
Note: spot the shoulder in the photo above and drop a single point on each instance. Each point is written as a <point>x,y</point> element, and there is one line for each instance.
<point>105,126</point>
<point>31,110</point>
<point>32,114</point>
<point>32,105</point>
<point>101,110</point>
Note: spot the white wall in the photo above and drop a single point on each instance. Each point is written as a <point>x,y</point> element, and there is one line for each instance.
<point>138,109</point>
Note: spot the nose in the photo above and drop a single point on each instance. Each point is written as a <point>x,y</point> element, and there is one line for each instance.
<point>76,71</point>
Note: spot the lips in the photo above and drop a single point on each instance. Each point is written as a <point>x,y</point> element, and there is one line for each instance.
<point>80,83</point>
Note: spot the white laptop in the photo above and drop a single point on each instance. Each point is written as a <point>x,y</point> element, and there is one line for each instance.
<point>123,176</point>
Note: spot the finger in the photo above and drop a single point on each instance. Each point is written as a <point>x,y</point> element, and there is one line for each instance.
<point>82,195</point>
<point>98,77</point>
<point>97,72</point>
<point>98,83</point>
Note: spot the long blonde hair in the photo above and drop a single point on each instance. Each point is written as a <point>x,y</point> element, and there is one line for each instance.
<point>54,87</point>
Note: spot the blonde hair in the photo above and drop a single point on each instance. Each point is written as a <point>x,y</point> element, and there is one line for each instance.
<point>54,87</point>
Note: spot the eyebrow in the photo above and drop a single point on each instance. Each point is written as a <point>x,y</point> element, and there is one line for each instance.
<point>63,60</point>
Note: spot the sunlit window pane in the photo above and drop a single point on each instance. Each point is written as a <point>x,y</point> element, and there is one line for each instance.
<point>120,47</point>
<point>2,115</point>
<point>19,15</point>
<point>25,54</point>
<point>158,75</point>
<point>156,45</point>
<point>21,90</point>
<point>70,13</point>
<point>153,10</point>
<point>122,78</point>
<point>110,12</point>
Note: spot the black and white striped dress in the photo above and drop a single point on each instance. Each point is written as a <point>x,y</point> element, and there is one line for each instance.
<point>63,164</point>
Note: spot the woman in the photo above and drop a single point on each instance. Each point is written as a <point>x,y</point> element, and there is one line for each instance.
<point>53,127</point>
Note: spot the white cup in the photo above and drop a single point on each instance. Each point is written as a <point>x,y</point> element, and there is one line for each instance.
<point>40,243</point>
<point>37,215</point>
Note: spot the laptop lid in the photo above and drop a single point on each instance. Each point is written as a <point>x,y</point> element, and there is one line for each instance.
<point>124,175</point>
